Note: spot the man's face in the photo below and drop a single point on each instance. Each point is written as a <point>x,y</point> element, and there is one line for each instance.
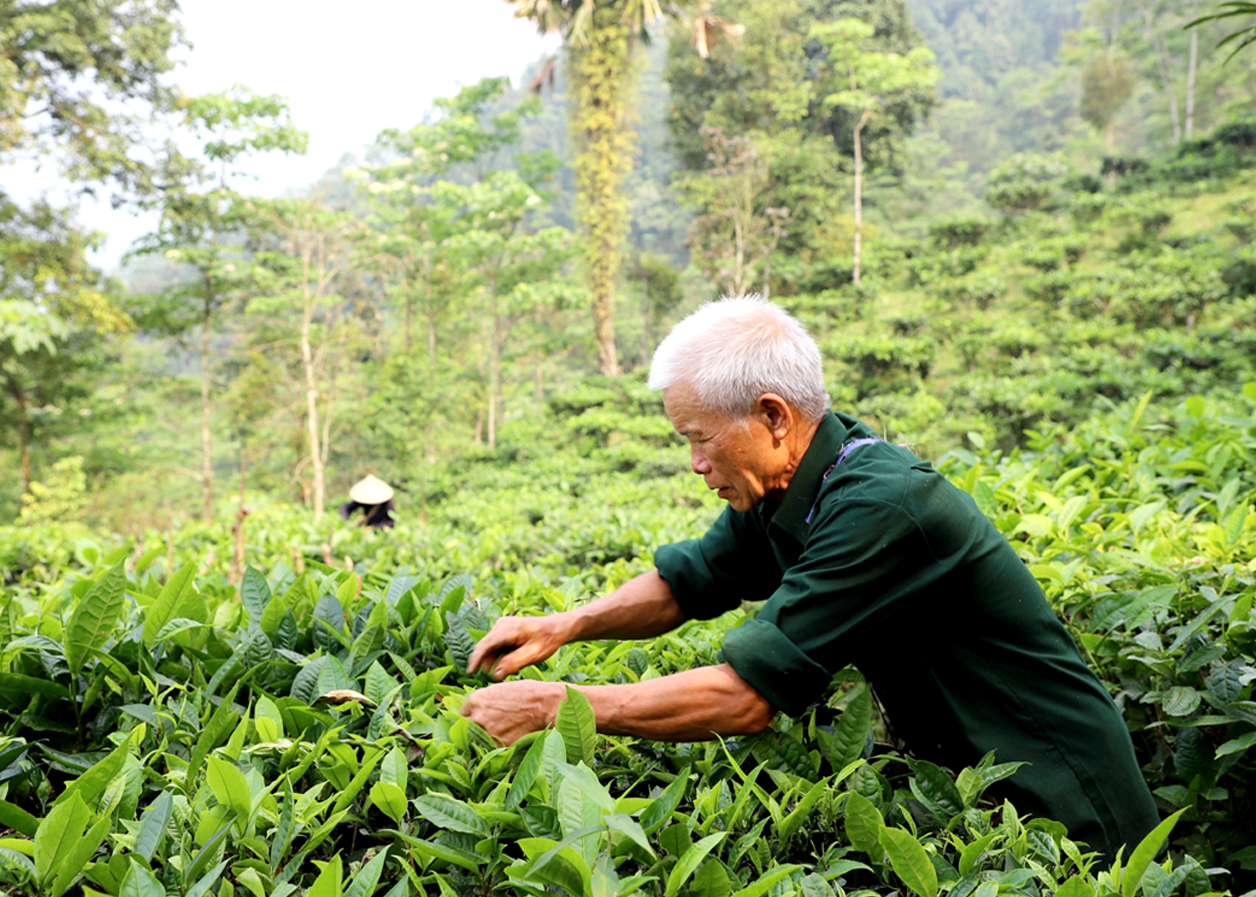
<point>737,457</point>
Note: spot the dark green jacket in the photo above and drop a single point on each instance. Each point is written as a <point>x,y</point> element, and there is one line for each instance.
<point>899,574</point>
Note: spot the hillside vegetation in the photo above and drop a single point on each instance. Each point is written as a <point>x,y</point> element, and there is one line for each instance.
<point>1040,274</point>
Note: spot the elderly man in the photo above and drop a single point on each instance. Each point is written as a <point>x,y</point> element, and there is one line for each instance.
<point>865,555</point>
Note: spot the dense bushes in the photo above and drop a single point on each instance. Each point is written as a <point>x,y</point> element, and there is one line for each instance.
<point>235,765</point>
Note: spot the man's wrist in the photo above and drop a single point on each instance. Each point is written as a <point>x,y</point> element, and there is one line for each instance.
<point>554,697</point>
<point>571,625</point>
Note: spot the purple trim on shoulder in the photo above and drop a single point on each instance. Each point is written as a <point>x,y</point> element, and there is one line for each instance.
<point>846,450</point>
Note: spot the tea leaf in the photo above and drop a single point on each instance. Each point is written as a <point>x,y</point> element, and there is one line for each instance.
<point>801,812</point>
<point>1144,853</point>
<point>688,863</point>
<point>577,724</point>
<point>153,825</point>
<point>91,624</point>
<point>1180,701</point>
<point>229,786</point>
<point>525,775</point>
<point>58,832</point>
<point>851,732</point>
<point>363,884</point>
<point>139,882</point>
<point>254,595</point>
<point>1235,745</point>
<point>863,824</point>
<point>1075,887</point>
<point>626,825</point>
<point>163,610</point>
<point>766,882</point>
<point>909,861</point>
<point>935,790</point>
<point>330,879</point>
<point>390,799</point>
<point>653,817</point>
<point>448,813</point>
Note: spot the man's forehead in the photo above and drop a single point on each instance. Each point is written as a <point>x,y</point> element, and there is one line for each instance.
<point>682,398</point>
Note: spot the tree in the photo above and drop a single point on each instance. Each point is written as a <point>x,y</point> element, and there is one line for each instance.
<point>55,311</point>
<point>201,224</point>
<point>873,79</point>
<point>463,135</point>
<point>303,248</point>
<point>513,267</point>
<point>599,38</point>
<point>768,89</point>
<point>736,229</point>
<point>1106,86</point>
<point>67,67</point>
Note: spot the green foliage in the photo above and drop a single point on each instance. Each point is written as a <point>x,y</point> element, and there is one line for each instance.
<point>1025,182</point>
<point>257,732</point>
<point>59,497</point>
<point>67,66</point>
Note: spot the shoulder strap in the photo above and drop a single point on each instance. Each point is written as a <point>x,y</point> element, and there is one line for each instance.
<point>841,456</point>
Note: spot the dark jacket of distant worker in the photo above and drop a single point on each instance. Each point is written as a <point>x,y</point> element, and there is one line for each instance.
<point>864,555</point>
<point>373,497</point>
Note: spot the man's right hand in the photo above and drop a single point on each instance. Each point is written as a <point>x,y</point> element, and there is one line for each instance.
<point>515,642</point>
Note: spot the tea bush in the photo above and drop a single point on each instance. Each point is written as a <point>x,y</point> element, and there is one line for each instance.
<point>167,732</point>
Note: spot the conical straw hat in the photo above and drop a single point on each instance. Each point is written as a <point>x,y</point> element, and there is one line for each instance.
<point>371,490</point>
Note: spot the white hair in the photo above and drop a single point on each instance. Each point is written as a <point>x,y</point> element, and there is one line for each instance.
<point>736,349</point>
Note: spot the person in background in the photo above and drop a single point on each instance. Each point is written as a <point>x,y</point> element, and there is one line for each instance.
<point>373,497</point>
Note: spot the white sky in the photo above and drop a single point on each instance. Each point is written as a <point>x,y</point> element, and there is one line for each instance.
<point>349,70</point>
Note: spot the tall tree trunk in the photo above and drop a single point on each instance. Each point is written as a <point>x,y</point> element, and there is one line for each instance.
<point>601,83</point>
<point>494,366</point>
<point>311,385</point>
<point>333,370</point>
<point>207,464</point>
<point>863,120</point>
<point>1192,66</point>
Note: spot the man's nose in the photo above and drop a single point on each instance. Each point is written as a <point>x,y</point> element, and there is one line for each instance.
<point>698,461</point>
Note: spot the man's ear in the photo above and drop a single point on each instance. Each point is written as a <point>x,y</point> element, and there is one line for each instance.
<point>775,414</point>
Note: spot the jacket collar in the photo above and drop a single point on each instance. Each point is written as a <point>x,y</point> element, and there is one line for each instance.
<point>790,515</point>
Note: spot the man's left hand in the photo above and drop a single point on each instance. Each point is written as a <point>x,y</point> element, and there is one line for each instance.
<point>510,710</point>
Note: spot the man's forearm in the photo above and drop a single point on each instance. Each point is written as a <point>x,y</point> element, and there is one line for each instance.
<point>691,706</point>
<point>641,608</point>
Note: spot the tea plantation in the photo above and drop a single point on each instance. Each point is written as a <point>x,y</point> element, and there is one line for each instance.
<point>167,732</point>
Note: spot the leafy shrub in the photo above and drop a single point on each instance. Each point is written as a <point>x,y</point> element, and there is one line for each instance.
<point>1049,287</point>
<point>884,364</point>
<point>932,267</point>
<point>60,498</point>
<point>300,732</point>
<point>978,289</point>
<point>957,232</point>
<point>1025,182</point>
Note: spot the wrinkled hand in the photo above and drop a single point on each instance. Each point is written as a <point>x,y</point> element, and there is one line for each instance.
<point>515,642</point>
<point>510,710</point>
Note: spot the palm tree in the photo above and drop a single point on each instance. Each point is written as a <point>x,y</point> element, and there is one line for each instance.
<point>599,37</point>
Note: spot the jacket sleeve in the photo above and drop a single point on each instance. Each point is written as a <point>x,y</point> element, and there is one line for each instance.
<point>860,560</point>
<point>732,563</point>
